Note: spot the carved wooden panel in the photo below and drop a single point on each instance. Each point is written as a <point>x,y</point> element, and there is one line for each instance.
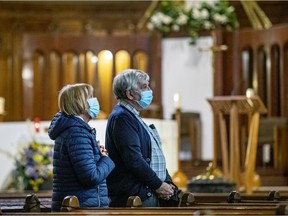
<point>264,68</point>
<point>50,62</point>
<point>258,60</point>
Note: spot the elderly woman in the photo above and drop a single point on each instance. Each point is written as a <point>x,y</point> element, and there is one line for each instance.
<point>135,148</point>
<point>80,164</point>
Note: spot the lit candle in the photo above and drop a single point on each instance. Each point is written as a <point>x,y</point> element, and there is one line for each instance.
<point>2,104</point>
<point>177,100</point>
<point>37,125</point>
<point>250,92</point>
<point>266,153</point>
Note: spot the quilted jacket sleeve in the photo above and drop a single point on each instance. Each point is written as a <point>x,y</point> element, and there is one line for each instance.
<point>90,167</point>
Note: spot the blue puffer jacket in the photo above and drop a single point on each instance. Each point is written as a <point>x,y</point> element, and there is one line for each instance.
<point>78,167</point>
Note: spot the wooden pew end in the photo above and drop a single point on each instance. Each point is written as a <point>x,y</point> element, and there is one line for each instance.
<point>134,201</point>
<point>282,209</point>
<point>70,203</point>
<point>273,196</point>
<point>187,199</point>
<point>234,197</point>
<point>32,203</point>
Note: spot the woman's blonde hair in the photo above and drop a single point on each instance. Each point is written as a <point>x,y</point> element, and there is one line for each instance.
<point>72,99</point>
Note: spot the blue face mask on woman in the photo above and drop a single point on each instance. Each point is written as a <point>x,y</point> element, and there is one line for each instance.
<point>146,99</point>
<point>94,107</point>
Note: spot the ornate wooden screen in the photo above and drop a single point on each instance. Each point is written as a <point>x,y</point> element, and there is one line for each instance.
<point>51,61</point>
<point>255,59</point>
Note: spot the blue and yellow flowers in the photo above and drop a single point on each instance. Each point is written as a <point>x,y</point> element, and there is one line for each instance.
<point>33,166</point>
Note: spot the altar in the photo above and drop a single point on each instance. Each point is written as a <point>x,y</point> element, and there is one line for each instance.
<point>16,135</point>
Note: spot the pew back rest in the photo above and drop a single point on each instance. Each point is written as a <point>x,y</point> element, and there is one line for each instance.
<point>272,132</point>
<point>267,126</point>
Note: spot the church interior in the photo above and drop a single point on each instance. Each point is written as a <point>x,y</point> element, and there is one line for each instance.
<point>45,45</point>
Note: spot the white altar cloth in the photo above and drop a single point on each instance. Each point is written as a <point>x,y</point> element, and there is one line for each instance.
<point>15,135</point>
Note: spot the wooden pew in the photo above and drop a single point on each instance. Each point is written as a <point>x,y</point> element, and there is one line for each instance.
<point>20,202</point>
<point>172,211</point>
<point>223,197</point>
<point>193,207</point>
<point>71,204</point>
<point>273,197</point>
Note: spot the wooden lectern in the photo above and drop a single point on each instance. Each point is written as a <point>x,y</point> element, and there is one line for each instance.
<point>234,106</point>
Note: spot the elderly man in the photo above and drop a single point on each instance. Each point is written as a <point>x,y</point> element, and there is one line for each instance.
<point>134,146</point>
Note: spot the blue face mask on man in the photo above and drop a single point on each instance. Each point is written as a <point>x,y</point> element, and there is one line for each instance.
<point>94,107</point>
<point>146,99</point>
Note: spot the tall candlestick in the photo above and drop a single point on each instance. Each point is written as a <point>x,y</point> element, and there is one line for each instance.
<point>179,178</point>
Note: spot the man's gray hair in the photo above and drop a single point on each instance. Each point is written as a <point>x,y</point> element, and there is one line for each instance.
<point>128,80</point>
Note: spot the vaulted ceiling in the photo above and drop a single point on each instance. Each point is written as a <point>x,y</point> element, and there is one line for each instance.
<point>103,17</point>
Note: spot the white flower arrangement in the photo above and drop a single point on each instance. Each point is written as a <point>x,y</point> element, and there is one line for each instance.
<point>173,16</point>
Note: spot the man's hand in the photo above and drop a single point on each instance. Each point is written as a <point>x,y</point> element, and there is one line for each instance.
<point>165,191</point>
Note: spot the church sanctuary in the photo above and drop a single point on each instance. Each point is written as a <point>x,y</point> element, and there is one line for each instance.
<point>219,74</point>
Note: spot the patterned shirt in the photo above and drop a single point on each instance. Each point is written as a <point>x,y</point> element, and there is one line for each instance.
<point>158,163</point>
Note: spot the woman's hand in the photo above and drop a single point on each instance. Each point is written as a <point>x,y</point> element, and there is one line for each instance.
<point>102,149</point>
